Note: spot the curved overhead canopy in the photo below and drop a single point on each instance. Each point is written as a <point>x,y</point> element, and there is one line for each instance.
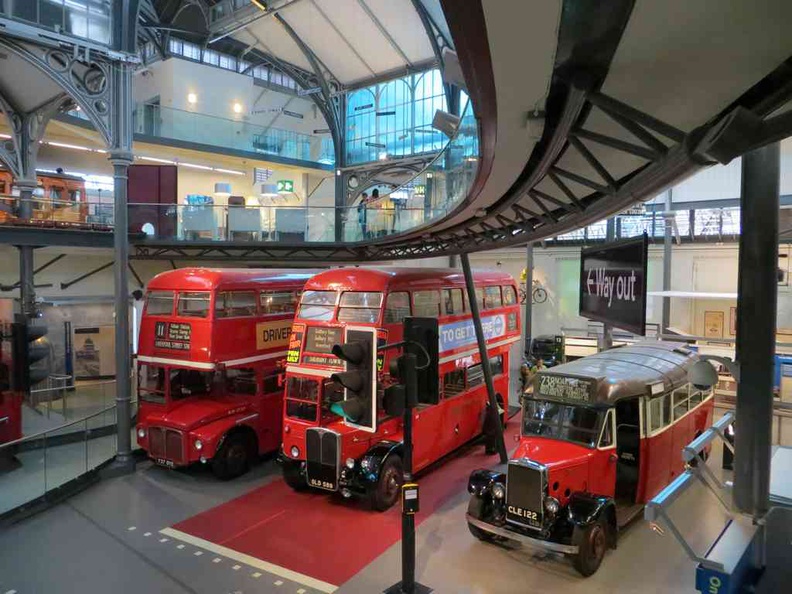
<point>354,40</point>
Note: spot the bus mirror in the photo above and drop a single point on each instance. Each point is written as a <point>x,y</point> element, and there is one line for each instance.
<point>702,375</point>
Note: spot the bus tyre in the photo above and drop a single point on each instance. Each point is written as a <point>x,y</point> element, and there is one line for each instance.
<point>233,459</point>
<point>592,541</point>
<point>388,487</point>
<point>293,477</point>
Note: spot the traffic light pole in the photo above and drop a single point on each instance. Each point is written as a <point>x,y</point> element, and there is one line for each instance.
<point>408,585</point>
<point>485,365</point>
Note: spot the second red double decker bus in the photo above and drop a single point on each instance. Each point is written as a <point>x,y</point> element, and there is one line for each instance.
<point>366,461</point>
<point>211,363</point>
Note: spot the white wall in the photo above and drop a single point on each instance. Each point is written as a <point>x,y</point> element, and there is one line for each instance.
<point>217,90</point>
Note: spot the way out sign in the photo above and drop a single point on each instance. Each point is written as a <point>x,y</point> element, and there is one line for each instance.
<point>613,284</point>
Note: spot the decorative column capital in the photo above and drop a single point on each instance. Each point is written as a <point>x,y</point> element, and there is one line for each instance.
<point>121,157</point>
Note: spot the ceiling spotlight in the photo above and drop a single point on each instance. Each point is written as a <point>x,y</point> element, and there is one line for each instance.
<point>481,213</point>
<point>237,107</point>
<point>192,98</point>
<point>383,156</point>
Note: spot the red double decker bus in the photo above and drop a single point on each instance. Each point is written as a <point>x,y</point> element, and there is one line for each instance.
<point>210,365</point>
<point>324,451</point>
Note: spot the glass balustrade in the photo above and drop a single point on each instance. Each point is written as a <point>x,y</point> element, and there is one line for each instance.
<point>39,463</point>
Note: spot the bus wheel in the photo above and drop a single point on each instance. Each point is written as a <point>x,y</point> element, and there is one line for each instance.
<point>592,541</point>
<point>293,477</point>
<point>233,459</point>
<point>386,492</point>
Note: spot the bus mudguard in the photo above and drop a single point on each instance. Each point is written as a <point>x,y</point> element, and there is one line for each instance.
<point>481,481</point>
<point>372,461</point>
<point>585,509</point>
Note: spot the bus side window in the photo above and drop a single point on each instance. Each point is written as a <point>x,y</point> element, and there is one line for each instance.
<point>277,302</point>
<point>492,297</point>
<point>235,304</point>
<point>480,297</point>
<point>426,303</point>
<point>658,417</point>
<point>509,295</point>
<point>453,383</point>
<point>606,438</point>
<point>452,302</point>
<point>397,307</point>
<point>696,396</point>
<point>475,376</point>
<point>272,384</point>
<point>241,380</point>
<point>680,402</point>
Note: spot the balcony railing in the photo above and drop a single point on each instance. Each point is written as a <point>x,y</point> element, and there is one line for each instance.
<point>169,123</point>
<point>91,20</point>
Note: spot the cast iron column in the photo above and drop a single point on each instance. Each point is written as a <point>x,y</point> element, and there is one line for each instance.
<point>668,242</point>
<point>756,324</point>
<point>484,355</point>
<point>27,291</point>
<point>529,265</point>
<point>607,329</point>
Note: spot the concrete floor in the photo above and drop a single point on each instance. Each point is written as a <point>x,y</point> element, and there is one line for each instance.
<point>107,539</point>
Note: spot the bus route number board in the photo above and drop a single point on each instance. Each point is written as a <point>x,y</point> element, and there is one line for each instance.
<point>565,388</point>
<point>172,335</point>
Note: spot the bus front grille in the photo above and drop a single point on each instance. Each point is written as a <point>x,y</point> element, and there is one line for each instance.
<point>525,487</point>
<point>166,445</point>
<point>323,458</point>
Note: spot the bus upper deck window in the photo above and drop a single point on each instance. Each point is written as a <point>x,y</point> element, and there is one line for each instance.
<point>452,302</point>
<point>193,305</point>
<point>233,304</point>
<point>509,295</point>
<point>159,303</point>
<point>397,307</point>
<point>426,303</point>
<point>360,306</point>
<point>492,297</point>
<point>317,305</point>
<point>277,302</point>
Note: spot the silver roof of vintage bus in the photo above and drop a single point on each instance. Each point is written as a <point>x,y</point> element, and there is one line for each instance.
<point>629,370</point>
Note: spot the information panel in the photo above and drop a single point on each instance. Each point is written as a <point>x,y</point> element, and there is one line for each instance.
<point>613,284</point>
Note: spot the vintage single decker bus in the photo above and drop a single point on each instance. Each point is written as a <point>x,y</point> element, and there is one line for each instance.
<point>210,365</point>
<point>600,437</point>
<point>321,449</point>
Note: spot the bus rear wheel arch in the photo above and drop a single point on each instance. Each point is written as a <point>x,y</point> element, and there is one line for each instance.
<point>234,456</point>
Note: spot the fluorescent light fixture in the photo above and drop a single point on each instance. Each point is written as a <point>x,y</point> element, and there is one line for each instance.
<point>102,151</point>
<point>222,189</point>
<point>229,171</point>
<point>155,160</point>
<point>192,98</point>
<point>4,136</point>
<point>69,146</point>
<point>260,4</point>
<point>194,166</point>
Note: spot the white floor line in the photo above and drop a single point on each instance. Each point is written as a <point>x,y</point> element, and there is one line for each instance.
<point>198,553</point>
<point>216,560</point>
<point>131,528</point>
<point>180,546</point>
<point>11,592</point>
<point>256,575</point>
<point>303,580</point>
<point>147,534</point>
<point>278,583</point>
<point>164,539</point>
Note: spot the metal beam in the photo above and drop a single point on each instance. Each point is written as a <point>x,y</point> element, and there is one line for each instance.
<point>88,274</point>
<point>494,421</point>
<point>384,32</point>
<point>757,290</point>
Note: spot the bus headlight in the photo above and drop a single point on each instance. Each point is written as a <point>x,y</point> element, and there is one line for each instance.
<point>198,444</point>
<point>141,433</point>
<point>366,464</point>
<point>295,452</point>
<point>498,491</point>
<point>551,505</point>
<point>350,463</point>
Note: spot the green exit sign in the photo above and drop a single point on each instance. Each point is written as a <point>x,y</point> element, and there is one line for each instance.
<point>285,186</point>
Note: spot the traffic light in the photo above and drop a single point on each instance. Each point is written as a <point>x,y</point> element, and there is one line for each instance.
<point>425,332</point>
<point>359,378</point>
<point>394,399</point>
<point>30,347</point>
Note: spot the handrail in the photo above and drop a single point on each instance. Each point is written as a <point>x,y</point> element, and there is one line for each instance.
<point>74,385</point>
<point>58,428</point>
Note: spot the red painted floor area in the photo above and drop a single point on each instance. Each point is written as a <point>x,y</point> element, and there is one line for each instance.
<point>324,536</point>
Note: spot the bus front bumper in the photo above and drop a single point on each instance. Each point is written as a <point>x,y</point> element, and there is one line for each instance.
<point>522,539</point>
